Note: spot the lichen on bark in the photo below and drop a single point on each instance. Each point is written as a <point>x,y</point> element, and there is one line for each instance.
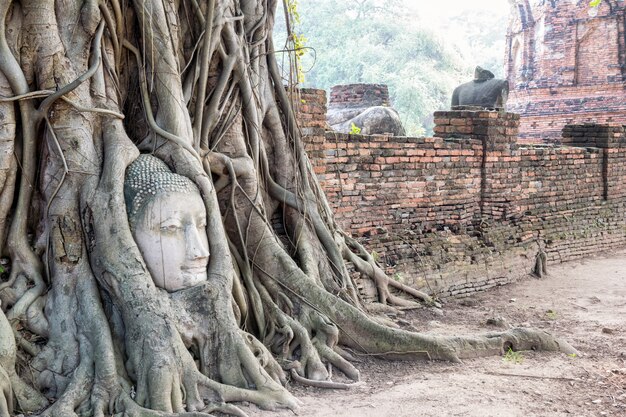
<point>88,85</point>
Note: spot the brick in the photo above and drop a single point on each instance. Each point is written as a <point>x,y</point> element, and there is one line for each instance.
<point>455,220</point>
<point>551,90</point>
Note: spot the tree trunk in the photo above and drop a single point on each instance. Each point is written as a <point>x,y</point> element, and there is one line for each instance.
<point>86,87</point>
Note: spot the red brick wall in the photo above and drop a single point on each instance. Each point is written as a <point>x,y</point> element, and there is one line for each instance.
<point>311,114</point>
<point>356,95</point>
<point>470,210</point>
<point>565,66</point>
<point>401,183</point>
<point>560,179</point>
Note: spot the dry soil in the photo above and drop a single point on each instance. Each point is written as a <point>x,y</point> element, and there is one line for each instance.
<point>584,302</point>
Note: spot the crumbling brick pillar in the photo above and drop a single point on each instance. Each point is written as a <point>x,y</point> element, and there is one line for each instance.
<point>612,141</point>
<point>500,182</point>
<point>311,116</point>
<point>359,95</point>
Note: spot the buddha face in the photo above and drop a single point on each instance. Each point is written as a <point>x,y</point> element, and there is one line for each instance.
<point>170,232</point>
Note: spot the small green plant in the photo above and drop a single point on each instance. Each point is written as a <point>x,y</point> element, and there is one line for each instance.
<point>595,3</point>
<point>375,256</point>
<point>298,41</point>
<point>573,355</point>
<point>513,357</point>
<point>551,314</point>
<point>397,277</point>
<point>355,130</point>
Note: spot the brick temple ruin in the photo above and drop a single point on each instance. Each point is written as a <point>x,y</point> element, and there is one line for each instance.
<point>473,207</point>
<point>565,66</point>
<point>470,208</point>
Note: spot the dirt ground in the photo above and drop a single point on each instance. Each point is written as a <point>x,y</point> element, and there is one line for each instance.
<point>584,302</point>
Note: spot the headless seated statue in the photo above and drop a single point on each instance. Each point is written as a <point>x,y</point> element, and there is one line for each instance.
<point>484,91</point>
<point>168,221</point>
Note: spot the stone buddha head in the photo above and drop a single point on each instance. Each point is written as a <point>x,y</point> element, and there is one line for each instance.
<point>168,221</point>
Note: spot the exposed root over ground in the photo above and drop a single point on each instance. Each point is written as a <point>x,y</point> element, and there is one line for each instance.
<point>88,86</point>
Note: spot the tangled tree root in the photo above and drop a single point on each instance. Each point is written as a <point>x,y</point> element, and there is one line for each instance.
<point>86,86</point>
<point>541,264</point>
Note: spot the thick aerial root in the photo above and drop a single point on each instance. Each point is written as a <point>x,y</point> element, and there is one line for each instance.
<point>533,339</point>
<point>265,358</point>
<point>11,385</point>
<point>312,352</point>
<point>517,339</point>
<point>541,262</point>
<point>225,409</point>
<point>79,388</point>
<point>361,333</point>
<point>164,370</point>
<point>6,395</point>
<point>365,263</point>
<point>295,336</point>
<point>264,397</point>
<point>28,265</point>
<point>319,384</point>
<point>325,339</point>
<point>28,397</point>
<point>310,361</point>
<point>414,345</point>
<point>337,361</point>
<point>131,409</point>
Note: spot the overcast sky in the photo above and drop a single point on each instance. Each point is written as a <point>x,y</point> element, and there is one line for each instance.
<point>439,11</point>
<point>439,7</point>
<point>439,15</point>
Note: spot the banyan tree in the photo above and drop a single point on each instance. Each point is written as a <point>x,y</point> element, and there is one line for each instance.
<point>208,270</point>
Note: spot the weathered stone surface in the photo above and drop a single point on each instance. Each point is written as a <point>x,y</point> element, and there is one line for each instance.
<point>469,210</point>
<point>365,106</point>
<point>372,121</point>
<point>483,91</point>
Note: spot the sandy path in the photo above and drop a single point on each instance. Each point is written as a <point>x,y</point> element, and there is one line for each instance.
<point>584,302</point>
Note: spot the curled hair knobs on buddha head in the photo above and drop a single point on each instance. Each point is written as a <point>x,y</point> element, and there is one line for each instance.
<point>148,176</point>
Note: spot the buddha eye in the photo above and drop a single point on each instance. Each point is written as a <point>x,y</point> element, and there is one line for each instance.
<point>170,228</point>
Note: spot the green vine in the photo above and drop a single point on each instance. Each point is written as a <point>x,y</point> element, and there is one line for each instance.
<point>298,41</point>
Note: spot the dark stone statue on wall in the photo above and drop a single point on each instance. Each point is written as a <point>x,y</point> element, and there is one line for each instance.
<point>484,91</point>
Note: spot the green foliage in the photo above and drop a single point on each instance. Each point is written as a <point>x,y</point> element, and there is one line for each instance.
<point>385,42</point>
<point>375,254</point>
<point>513,357</point>
<point>354,130</point>
<point>595,3</point>
<point>299,50</point>
<point>299,43</point>
<point>296,42</point>
<point>292,10</point>
<point>552,315</point>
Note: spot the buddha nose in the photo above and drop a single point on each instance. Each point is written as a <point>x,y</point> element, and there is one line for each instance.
<point>197,245</point>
